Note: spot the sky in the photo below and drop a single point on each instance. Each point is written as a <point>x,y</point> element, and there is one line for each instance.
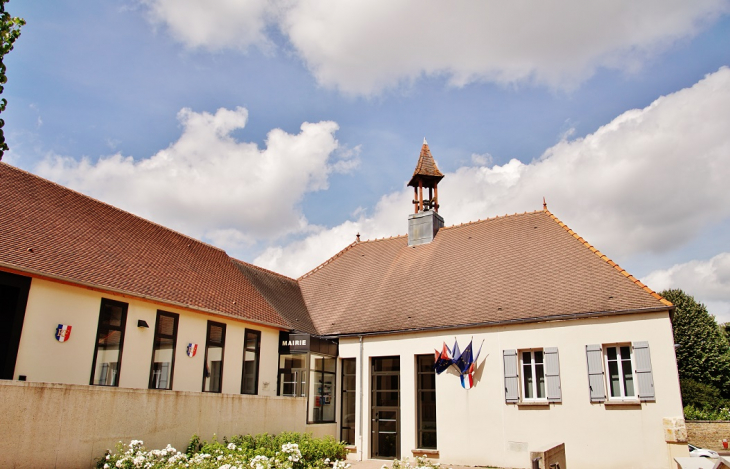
<point>278,130</point>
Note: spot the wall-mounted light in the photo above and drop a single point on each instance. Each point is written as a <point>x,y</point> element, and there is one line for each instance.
<point>142,323</point>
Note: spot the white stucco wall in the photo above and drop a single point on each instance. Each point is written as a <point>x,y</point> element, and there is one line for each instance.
<point>477,427</point>
<point>41,358</point>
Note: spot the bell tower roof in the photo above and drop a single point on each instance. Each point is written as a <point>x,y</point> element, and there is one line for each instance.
<point>426,172</point>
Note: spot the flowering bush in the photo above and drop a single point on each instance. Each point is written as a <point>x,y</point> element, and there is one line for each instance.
<point>421,462</point>
<point>242,452</point>
<point>693,413</point>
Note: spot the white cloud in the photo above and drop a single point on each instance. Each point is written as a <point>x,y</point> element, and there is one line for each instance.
<point>708,281</point>
<point>212,24</point>
<point>649,181</point>
<point>366,46</point>
<point>207,184</point>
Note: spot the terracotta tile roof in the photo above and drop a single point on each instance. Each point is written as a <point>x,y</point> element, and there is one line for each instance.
<point>49,230</point>
<point>515,268</point>
<point>426,168</point>
<point>282,293</point>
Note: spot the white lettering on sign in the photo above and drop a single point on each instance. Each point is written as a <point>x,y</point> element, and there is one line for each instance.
<point>289,343</point>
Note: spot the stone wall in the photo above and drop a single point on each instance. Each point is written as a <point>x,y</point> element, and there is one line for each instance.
<point>708,433</point>
<point>68,426</point>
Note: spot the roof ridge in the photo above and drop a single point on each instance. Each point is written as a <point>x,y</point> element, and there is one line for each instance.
<point>48,181</point>
<point>347,248</point>
<point>262,269</point>
<point>606,259</point>
<point>468,223</point>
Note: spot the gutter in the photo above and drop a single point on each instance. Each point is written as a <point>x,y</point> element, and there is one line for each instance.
<point>559,317</point>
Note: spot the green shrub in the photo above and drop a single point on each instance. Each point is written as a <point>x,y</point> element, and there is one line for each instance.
<point>283,451</point>
<point>693,413</point>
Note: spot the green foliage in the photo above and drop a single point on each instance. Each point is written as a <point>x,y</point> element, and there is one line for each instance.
<point>9,32</point>
<point>693,413</point>
<point>701,396</point>
<point>703,355</point>
<point>283,451</point>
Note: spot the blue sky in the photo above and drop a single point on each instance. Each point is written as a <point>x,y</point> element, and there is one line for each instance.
<point>278,130</point>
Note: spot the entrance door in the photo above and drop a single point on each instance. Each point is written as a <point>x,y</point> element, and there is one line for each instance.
<point>385,413</point>
<point>13,298</point>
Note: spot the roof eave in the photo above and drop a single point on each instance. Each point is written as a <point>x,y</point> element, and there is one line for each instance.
<point>67,280</point>
<point>558,317</point>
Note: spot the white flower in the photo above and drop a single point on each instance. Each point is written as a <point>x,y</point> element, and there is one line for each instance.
<point>106,466</point>
<point>232,446</point>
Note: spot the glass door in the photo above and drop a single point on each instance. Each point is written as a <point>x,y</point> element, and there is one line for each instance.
<point>385,412</point>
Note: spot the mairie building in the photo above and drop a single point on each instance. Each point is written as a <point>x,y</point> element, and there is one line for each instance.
<point>504,342</point>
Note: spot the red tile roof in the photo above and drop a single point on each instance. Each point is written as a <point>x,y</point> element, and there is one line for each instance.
<point>49,230</point>
<point>527,267</point>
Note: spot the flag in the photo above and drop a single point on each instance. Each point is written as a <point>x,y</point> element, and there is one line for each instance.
<point>442,359</point>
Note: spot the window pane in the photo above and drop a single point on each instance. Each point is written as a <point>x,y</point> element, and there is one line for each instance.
<point>291,362</point>
<point>540,378</point>
<point>528,380</point>
<point>611,352</point>
<point>213,368</point>
<point>387,382</point>
<point>166,325</point>
<point>348,366</point>
<point>386,364</point>
<point>329,364</point>
<point>613,377</point>
<point>215,334</point>
<point>628,378</point>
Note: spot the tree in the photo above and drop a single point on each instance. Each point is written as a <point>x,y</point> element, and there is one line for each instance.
<point>703,355</point>
<point>9,33</point>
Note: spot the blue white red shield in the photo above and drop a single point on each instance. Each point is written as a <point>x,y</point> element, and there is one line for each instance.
<point>63,332</point>
<point>192,350</point>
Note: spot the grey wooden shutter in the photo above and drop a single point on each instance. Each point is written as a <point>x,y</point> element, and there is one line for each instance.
<point>511,378</point>
<point>594,355</point>
<point>642,360</point>
<point>552,374</point>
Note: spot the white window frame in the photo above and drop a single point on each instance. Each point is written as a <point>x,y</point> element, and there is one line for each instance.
<point>609,389</point>
<point>533,368</point>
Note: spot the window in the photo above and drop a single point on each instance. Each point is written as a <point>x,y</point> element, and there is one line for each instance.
<point>624,368</point>
<point>426,401</point>
<point>620,375</point>
<point>532,375</point>
<point>163,350</point>
<point>251,348</point>
<point>293,375</point>
<point>214,347</point>
<point>322,388</point>
<point>349,380</point>
<point>107,362</point>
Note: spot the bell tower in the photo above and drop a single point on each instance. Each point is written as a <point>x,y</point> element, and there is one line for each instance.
<point>425,222</point>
